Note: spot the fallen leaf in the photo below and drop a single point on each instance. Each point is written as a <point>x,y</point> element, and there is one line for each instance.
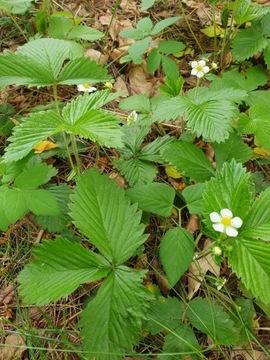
<point>44,145</point>
<point>96,56</point>
<point>198,270</point>
<point>120,85</point>
<point>139,83</point>
<point>13,348</point>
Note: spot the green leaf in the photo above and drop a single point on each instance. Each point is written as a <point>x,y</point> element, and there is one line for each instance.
<point>243,315</point>
<point>171,109</point>
<point>99,126</point>
<point>19,7</point>
<point>247,43</point>
<point>79,106</point>
<point>145,25</point>
<point>140,102</point>
<point>137,49</point>
<point>100,211</point>
<point>136,171</point>
<point>55,224</point>
<point>257,222</point>
<point>32,130</point>
<point>161,25</point>
<point>259,114</point>
<point>254,77</point>
<point>169,67</point>
<point>82,70</point>
<point>170,47</point>
<point>59,27</point>
<point>209,317</point>
<point>211,119</point>
<point>85,33</point>
<point>41,202</point>
<point>188,159</point>
<point>233,182</point>
<point>120,305</point>
<point>151,152</point>
<point>153,61</point>
<point>266,55</point>
<point>245,11</point>
<point>176,253</point>
<point>146,4</point>
<point>13,204</point>
<point>59,267</point>
<point>155,198</point>
<point>232,148</point>
<point>165,313</point>
<point>133,139</point>
<point>50,54</point>
<point>33,177</point>
<point>250,260</point>
<point>193,195</point>
<point>181,344</point>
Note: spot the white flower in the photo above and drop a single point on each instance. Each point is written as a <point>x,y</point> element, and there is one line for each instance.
<point>86,88</point>
<point>199,68</point>
<point>225,222</point>
<point>132,117</point>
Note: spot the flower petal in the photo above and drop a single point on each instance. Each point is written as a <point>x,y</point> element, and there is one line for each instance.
<point>202,63</point>
<point>226,213</point>
<point>206,69</point>
<point>237,222</point>
<point>215,217</point>
<point>194,64</point>
<point>200,74</point>
<point>230,231</point>
<point>194,71</point>
<point>219,227</point>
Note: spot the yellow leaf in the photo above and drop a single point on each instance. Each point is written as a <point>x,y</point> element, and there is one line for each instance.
<point>212,31</point>
<point>172,172</point>
<point>44,145</point>
<point>260,152</point>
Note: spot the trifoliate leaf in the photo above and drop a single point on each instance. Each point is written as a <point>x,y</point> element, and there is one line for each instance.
<point>101,212</point>
<point>209,317</point>
<point>155,198</point>
<point>151,152</point>
<point>176,253</point>
<point>140,102</point>
<point>120,305</point>
<point>189,159</point>
<point>13,203</point>
<point>59,267</point>
<point>171,109</point>
<point>250,260</point>
<point>161,25</point>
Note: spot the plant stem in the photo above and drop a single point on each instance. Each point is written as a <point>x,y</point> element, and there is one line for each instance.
<point>76,154</point>
<point>188,25</point>
<point>17,26</point>
<point>55,96</point>
<point>97,154</point>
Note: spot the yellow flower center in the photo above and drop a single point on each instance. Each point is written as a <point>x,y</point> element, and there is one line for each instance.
<point>199,67</point>
<point>86,86</point>
<point>226,221</point>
